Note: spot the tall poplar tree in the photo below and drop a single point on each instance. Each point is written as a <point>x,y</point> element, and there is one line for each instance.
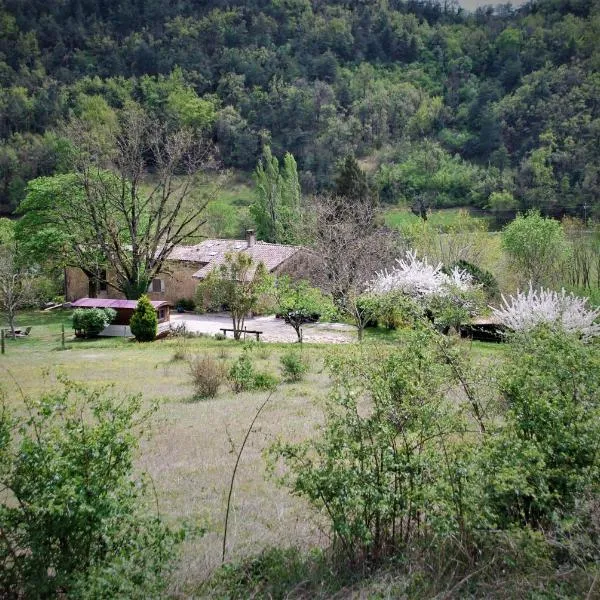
<point>276,209</point>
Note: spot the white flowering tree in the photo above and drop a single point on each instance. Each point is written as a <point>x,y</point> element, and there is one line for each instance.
<point>527,310</point>
<point>452,298</point>
<point>416,278</point>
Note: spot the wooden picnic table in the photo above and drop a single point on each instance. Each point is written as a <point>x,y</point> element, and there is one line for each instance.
<point>19,332</point>
<point>244,331</point>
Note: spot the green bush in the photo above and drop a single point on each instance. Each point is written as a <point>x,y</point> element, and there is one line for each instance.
<point>547,457</point>
<point>264,381</point>
<point>144,322</point>
<point>73,521</point>
<point>89,322</point>
<point>185,304</point>
<point>293,365</point>
<point>391,464</point>
<point>241,374</point>
<point>244,378</point>
<point>480,276</point>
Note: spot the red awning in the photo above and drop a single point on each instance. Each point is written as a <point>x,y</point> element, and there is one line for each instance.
<point>113,303</point>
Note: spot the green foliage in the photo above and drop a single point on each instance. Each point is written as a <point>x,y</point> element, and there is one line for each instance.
<point>144,322</point>
<point>398,459</point>
<point>241,374</point>
<point>41,238</point>
<point>78,527</point>
<point>237,285</point>
<point>293,366</point>
<point>185,304</point>
<point>431,176</point>
<point>547,457</point>
<point>273,573</point>
<point>243,377</point>
<point>89,322</point>
<point>480,277</point>
<point>455,308</point>
<point>299,303</point>
<point>536,245</point>
<point>276,210</point>
<point>351,182</point>
<point>391,462</point>
<point>321,81</point>
<point>264,381</point>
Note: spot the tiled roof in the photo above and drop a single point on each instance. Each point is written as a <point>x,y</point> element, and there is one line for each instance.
<point>212,253</point>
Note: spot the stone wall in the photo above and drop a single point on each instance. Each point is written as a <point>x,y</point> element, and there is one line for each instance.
<point>177,278</point>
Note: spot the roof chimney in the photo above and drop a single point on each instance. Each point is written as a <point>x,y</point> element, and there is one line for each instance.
<point>250,237</point>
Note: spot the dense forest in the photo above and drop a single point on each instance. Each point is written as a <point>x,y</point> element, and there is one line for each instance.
<point>497,109</point>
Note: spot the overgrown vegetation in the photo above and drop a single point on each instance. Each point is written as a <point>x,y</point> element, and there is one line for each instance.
<point>207,375</point>
<point>402,461</point>
<point>73,517</point>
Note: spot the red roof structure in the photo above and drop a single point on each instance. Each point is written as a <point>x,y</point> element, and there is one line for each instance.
<point>113,303</point>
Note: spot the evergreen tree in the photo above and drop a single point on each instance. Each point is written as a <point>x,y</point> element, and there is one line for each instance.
<point>351,182</point>
<point>144,323</point>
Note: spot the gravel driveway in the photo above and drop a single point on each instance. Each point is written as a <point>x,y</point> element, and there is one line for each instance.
<point>274,330</point>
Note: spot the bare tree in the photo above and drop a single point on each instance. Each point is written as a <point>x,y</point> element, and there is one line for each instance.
<point>17,285</point>
<point>350,246</point>
<point>136,193</point>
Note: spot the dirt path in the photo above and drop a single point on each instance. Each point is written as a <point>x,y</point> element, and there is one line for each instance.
<point>274,330</point>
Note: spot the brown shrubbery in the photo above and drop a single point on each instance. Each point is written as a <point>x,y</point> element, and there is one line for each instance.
<point>207,375</point>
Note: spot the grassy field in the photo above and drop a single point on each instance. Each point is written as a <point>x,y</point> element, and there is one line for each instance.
<point>443,219</point>
<point>190,450</point>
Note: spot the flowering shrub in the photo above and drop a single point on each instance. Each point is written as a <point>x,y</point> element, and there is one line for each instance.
<point>418,279</point>
<point>449,297</point>
<point>526,310</point>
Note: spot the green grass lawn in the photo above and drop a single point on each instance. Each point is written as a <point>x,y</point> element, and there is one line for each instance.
<point>189,451</point>
<point>445,218</point>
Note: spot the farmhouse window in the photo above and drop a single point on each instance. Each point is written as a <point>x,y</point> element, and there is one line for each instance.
<point>157,286</point>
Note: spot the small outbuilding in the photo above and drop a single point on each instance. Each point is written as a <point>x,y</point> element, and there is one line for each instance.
<point>124,310</point>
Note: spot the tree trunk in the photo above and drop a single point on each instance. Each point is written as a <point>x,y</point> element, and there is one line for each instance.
<point>360,331</point>
<point>11,323</point>
<point>238,324</point>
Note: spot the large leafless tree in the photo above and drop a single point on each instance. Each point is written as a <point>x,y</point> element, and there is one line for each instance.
<point>350,246</point>
<point>136,192</point>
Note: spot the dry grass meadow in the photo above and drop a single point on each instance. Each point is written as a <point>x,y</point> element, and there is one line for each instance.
<point>190,448</point>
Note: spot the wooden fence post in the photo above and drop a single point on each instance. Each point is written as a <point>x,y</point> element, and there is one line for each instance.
<point>62,336</point>
<point>2,341</point>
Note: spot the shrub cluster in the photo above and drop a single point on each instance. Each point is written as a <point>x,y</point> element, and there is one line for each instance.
<point>294,366</point>
<point>185,304</point>
<point>243,377</point>
<point>73,522</point>
<point>401,460</point>
<point>89,322</point>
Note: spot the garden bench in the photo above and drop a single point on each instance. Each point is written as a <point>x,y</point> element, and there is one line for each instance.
<point>244,331</point>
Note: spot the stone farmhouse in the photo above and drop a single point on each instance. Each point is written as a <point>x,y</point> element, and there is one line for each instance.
<point>187,265</point>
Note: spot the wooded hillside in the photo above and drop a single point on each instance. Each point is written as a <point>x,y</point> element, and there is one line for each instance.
<point>498,109</point>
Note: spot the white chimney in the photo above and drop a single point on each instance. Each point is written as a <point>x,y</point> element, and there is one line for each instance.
<point>250,237</point>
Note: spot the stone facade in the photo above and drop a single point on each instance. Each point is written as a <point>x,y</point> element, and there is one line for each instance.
<point>176,278</point>
<point>180,277</point>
